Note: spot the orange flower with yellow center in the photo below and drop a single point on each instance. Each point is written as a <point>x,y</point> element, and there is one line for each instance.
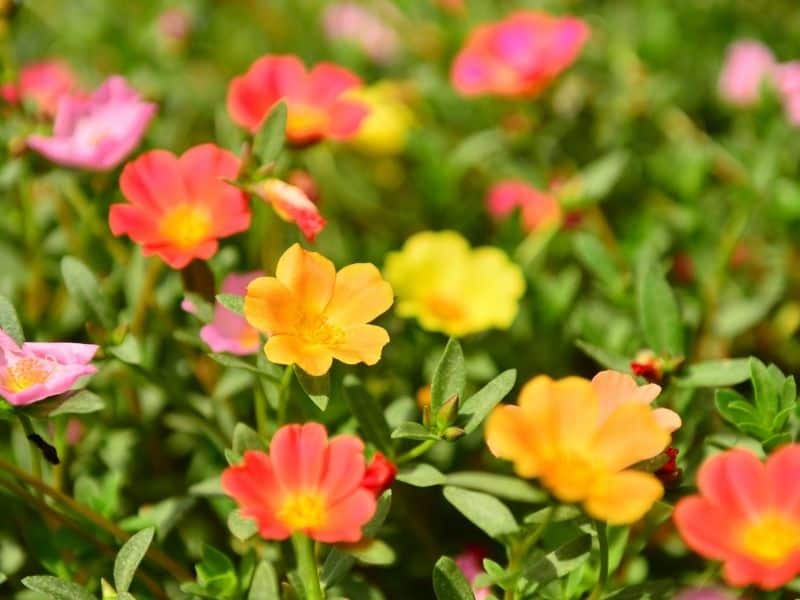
<point>559,434</point>
<point>313,314</point>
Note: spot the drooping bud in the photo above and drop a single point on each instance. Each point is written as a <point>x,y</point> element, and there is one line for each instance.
<point>292,205</point>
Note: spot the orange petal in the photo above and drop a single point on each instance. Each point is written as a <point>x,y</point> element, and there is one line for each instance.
<point>289,349</point>
<point>508,436</point>
<point>363,343</point>
<point>629,435</point>
<point>269,307</point>
<point>309,276</point>
<point>360,294</point>
<point>623,497</point>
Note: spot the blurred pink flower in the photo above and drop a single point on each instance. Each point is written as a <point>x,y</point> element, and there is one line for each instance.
<point>35,371</point>
<point>229,332</point>
<point>354,23</point>
<point>539,209</point>
<point>704,593</point>
<point>519,56</point>
<point>471,564</point>
<point>175,24</point>
<point>787,80</point>
<point>42,83</point>
<point>748,64</point>
<point>99,132</point>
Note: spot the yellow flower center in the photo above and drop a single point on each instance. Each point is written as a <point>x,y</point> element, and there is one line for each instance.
<point>569,476</point>
<point>771,539</point>
<point>303,119</point>
<point>24,373</point>
<point>445,308</point>
<point>317,330</point>
<point>186,226</point>
<point>303,511</point>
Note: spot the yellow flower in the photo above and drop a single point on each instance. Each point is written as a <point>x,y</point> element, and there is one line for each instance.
<point>385,130</point>
<point>313,314</point>
<point>558,434</point>
<point>452,288</point>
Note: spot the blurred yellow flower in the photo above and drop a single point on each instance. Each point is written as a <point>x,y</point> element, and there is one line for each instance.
<point>450,287</point>
<point>384,131</point>
<point>313,314</point>
<point>559,434</point>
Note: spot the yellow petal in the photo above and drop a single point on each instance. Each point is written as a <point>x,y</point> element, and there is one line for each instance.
<point>360,294</point>
<point>309,276</point>
<point>269,307</point>
<point>509,435</point>
<point>363,343</point>
<point>630,434</point>
<point>314,359</point>
<point>623,497</point>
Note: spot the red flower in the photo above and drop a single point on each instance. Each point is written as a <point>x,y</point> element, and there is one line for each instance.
<point>43,83</point>
<point>379,475</point>
<point>316,102</point>
<point>179,207</point>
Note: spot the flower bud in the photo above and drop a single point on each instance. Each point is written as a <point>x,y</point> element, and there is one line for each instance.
<point>379,475</point>
<point>451,434</point>
<point>447,411</point>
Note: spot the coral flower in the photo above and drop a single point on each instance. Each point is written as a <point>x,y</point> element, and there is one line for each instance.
<point>559,434</point>
<point>317,108</point>
<point>96,132</point>
<point>293,205</point>
<point>180,206</point>
<point>614,388</point>
<point>443,282</point>
<point>748,64</point>
<point>35,371</point>
<point>43,84</point>
<point>313,314</point>
<point>747,515</point>
<point>230,332</point>
<point>379,475</point>
<point>518,56</point>
<point>305,484</point>
<point>538,209</point>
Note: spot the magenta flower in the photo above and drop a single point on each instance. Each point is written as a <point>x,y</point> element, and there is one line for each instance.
<point>229,332</point>
<point>35,371</point>
<point>748,64</point>
<point>354,23</point>
<point>471,564</point>
<point>99,132</point>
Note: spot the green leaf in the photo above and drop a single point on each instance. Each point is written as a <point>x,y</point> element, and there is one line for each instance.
<point>242,528</point>
<point>55,588</point>
<point>502,486</point>
<point>370,552</point>
<point>560,562</point>
<point>449,582</point>
<point>604,358</point>
<point>594,256</point>
<point>413,431</point>
<point>421,475</point>
<point>764,389</point>
<point>450,375</point>
<point>318,389</point>
<point>9,321</point>
<point>483,510</point>
<point>129,557</point>
<point>597,179</point>
<point>659,314</point>
<point>216,573</point>
<point>232,302</point>
<point>226,360</point>
<point>651,590</point>
<point>247,438</point>
<point>775,440</point>
<point>734,408</point>
<point>478,406</point>
<point>208,487</point>
<point>368,413</point>
<point>270,137</point>
<point>265,583</point>
<point>79,403</point>
<point>85,288</point>
<point>202,309</point>
<point>129,351</point>
<point>713,373</point>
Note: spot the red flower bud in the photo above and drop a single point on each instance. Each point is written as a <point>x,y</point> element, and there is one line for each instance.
<point>379,475</point>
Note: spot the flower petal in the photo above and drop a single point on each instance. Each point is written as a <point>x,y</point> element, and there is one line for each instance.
<point>269,306</point>
<point>362,343</point>
<point>623,497</point>
<point>289,349</point>
<point>309,276</point>
<point>737,481</point>
<point>346,518</point>
<point>298,454</point>
<point>706,529</point>
<point>154,181</point>
<point>344,467</point>
<point>629,435</point>
<point>508,435</point>
<point>360,295</point>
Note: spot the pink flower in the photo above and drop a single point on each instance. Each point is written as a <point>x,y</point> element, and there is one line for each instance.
<point>747,65</point>
<point>175,24</point>
<point>42,83</point>
<point>99,132</point>
<point>292,205</point>
<point>539,209</point>
<point>519,56</point>
<point>229,332</point>
<point>471,564</point>
<point>704,593</point>
<point>787,80</point>
<point>35,371</point>
<point>354,23</point>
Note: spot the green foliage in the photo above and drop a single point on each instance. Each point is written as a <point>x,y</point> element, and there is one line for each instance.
<point>129,557</point>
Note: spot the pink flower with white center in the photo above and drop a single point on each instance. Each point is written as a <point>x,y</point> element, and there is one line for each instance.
<point>229,332</point>
<point>471,564</point>
<point>748,64</point>
<point>292,205</point>
<point>35,371</point>
<point>353,23</point>
<point>99,132</point>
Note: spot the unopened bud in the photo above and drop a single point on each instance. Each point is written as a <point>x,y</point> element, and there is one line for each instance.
<point>453,433</point>
<point>646,364</point>
<point>448,411</point>
<point>426,415</point>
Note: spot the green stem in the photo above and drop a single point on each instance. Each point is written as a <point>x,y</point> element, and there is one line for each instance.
<point>307,566</point>
<point>602,578</point>
<point>261,410</point>
<point>416,451</point>
<point>36,459</point>
<point>283,394</point>
<point>145,295</point>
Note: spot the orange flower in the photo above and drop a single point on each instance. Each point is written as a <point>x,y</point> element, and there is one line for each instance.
<point>179,207</point>
<point>558,434</point>
<point>614,388</point>
<point>305,484</point>
<point>314,314</point>
<point>747,515</point>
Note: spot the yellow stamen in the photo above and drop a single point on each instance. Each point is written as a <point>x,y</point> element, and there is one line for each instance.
<point>186,226</point>
<point>24,373</point>
<point>317,330</point>
<point>305,120</point>
<point>771,539</point>
<point>303,511</point>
